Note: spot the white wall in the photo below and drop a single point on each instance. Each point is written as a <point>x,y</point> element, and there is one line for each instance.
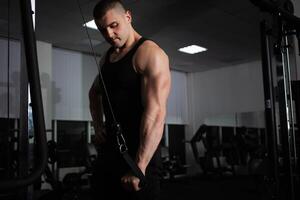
<point>177,110</point>
<point>73,74</point>
<point>14,78</point>
<point>44,52</point>
<point>224,91</point>
<point>227,90</point>
<point>255,119</point>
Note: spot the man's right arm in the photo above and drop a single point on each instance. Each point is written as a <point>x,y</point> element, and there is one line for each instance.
<point>96,110</point>
<point>96,106</point>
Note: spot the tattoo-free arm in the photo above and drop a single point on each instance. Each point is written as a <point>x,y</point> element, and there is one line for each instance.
<point>155,91</point>
<point>153,64</point>
<point>96,106</point>
<point>96,110</point>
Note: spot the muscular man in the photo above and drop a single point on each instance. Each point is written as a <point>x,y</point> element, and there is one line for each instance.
<point>137,79</point>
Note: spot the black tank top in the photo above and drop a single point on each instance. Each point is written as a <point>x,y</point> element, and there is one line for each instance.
<point>123,86</point>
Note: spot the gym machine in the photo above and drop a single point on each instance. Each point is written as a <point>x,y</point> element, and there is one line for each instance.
<point>214,150</point>
<point>279,30</point>
<point>234,152</point>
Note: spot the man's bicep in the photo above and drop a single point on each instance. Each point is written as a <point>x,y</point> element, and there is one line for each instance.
<point>157,82</point>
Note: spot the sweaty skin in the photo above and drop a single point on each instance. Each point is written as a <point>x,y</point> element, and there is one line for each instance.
<point>153,64</point>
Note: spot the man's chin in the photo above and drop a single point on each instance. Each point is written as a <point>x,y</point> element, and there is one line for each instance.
<point>115,44</point>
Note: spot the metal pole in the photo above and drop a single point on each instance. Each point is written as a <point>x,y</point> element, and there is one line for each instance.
<point>269,108</point>
<point>285,128</point>
<point>290,102</point>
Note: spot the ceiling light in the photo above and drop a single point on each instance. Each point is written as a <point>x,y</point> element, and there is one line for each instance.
<point>192,49</point>
<point>91,24</point>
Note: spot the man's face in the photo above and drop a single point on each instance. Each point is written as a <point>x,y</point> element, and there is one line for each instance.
<point>114,26</point>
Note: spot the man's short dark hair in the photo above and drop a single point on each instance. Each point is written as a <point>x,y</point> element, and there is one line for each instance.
<point>103,6</point>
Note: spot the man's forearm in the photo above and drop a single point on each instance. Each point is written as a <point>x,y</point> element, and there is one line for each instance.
<point>96,109</point>
<point>152,126</point>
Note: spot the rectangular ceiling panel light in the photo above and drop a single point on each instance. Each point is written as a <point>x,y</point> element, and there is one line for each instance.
<point>91,24</point>
<point>192,49</point>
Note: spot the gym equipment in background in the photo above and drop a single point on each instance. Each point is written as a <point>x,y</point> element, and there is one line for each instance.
<point>279,30</point>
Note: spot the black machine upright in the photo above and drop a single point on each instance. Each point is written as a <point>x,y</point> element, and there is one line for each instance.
<point>280,31</point>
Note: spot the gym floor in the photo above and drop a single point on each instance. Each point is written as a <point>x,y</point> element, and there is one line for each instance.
<point>231,188</point>
<point>220,188</point>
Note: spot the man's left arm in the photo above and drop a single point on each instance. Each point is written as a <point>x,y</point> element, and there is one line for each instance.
<point>155,90</point>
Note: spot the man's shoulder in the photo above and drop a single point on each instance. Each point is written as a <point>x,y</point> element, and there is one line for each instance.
<point>149,45</point>
<point>149,48</point>
<point>148,53</point>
